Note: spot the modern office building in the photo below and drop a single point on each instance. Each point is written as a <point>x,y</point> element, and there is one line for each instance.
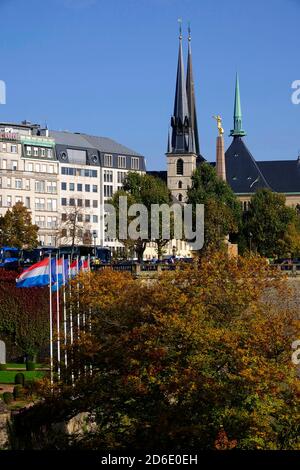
<point>64,178</point>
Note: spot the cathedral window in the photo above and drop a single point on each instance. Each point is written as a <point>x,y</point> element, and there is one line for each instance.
<point>179,167</point>
<point>179,184</point>
<point>180,197</point>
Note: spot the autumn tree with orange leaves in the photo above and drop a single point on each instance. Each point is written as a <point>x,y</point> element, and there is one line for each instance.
<point>200,357</point>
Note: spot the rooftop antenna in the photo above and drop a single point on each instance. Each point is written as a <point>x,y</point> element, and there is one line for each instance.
<point>180,28</point>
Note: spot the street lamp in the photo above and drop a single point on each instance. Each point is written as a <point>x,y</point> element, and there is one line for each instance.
<point>250,241</point>
<point>95,238</point>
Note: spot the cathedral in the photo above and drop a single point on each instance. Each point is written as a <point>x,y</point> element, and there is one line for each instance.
<point>237,165</point>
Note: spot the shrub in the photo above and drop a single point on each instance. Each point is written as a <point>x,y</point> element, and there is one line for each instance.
<point>30,365</point>
<point>19,392</point>
<point>3,366</point>
<point>7,397</point>
<point>19,379</point>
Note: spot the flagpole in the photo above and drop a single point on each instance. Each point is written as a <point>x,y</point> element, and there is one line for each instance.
<point>57,320</point>
<point>50,320</point>
<point>78,313</point>
<point>71,320</point>
<point>65,313</point>
<point>90,310</point>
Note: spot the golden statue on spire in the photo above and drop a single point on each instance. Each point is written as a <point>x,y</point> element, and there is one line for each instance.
<point>219,121</point>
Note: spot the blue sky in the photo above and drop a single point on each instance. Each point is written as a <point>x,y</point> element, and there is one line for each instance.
<point>108,68</point>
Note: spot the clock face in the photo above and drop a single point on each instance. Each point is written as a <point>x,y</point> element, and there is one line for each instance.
<point>94,158</point>
<point>63,156</point>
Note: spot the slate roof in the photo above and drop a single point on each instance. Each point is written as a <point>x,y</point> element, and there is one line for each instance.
<point>242,171</point>
<point>283,176</point>
<point>103,144</point>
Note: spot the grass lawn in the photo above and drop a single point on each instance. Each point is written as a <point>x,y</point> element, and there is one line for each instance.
<point>21,366</point>
<point>8,376</point>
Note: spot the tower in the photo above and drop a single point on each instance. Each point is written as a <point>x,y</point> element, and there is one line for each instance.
<point>182,146</point>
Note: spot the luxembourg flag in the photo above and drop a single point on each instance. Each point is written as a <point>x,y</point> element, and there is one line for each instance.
<point>84,265</point>
<point>36,275</point>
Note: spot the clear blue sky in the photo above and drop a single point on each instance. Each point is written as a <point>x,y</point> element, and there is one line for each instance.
<point>107,67</point>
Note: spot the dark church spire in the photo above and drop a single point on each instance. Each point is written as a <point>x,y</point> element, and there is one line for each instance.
<point>182,139</point>
<point>190,91</point>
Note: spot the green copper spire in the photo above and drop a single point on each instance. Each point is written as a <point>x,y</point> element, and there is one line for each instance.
<point>237,117</point>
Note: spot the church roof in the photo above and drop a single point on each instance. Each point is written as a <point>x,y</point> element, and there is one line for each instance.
<point>242,171</point>
<point>283,176</point>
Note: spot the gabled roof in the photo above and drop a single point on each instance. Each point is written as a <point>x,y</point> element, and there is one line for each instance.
<point>283,176</point>
<point>242,171</point>
<point>103,144</point>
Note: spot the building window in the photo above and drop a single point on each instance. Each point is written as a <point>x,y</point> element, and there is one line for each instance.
<point>79,202</point>
<point>50,169</point>
<point>179,184</point>
<point>121,176</point>
<point>43,152</point>
<point>108,160</point>
<point>40,221</point>
<point>95,188</point>
<point>87,218</point>
<point>37,168</point>
<point>35,151</point>
<point>49,153</point>
<point>135,163</point>
<point>64,232</point>
<point>180,197</point>
<point>18,199</point>
<point>121,162</point>
<point>179,167</point>
<point>44,168</point>
<point>4,147</point>
<point>13,149</point>
<point>71,186</point>
<point>18,183</point>
<point>79,217</point>
<point>79,187</point>
<point>9,201</point>
<point>95,204</point>
<point>95,219</point>
<point>63,201</point>
<point>64,217</point>
<point>72,201</point>
<point>51,222</point>
<point>87,203</point>
<point>39,186</point>
<point>14,165</point>
<point>87,188</point>
<point>108,176</point>
<point>28,151</point>
<point>108,190</point>
<point>8,182</point>
<point>4,164</point>
<point>29,167</point>
<point>63,186</point>
<point>27,184</point>
<point>39,204</point>
<point>27,202</point>
<point>51,187</point>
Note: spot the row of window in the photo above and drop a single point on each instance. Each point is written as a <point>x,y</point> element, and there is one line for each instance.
<point>12,148</point>
<point>50,240</point>
<point>38,152</point>
<point>87,187</point>
<point>46,222</point>
<point>9,201</point>
<point>29,166</point>
<point>79,202</point>
<point>42,204</point>
<point>108,190</point>
<point>80,218</point>
<point>79,233</point>
<point>71,171</point>
<point>19,183</point>
<point>134,162</point>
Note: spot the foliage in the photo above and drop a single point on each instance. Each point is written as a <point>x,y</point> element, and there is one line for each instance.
<point>19,378</point>
<point>3,367</point>
<point>30,365</point>
<point>273,227</point>
<point>147,190</point>
<point>23,314</point>
<point>16,228</point>
<point>222,209</point>
<point>8,397</point>
<point>199,358</point>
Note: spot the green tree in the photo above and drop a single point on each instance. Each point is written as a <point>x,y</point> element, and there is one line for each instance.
<point>222,208</point>
<point>271,225</point>
<point>16,228</point>
<point>147,190</point>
